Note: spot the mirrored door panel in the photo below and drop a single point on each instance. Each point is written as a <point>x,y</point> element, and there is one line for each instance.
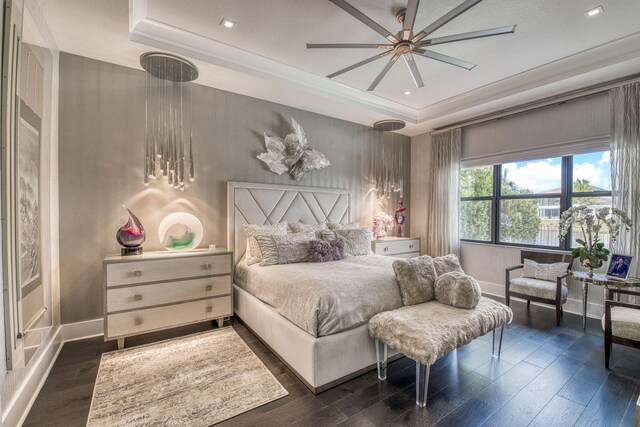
<point>27,114</point>
<point>34,96</point>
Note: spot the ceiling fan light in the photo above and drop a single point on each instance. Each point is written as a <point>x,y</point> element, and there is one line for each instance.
<point>593,12</point>
<point>403,46</point>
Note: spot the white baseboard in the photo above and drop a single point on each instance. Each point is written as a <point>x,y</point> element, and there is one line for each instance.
<point>82,330</point>
<point>573,306</point>
<point>16,411</point>
<point>492,289</point>
<point>18,408</point>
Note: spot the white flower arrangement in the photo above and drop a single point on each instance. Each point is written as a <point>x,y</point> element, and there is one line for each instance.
<point>591,251</point>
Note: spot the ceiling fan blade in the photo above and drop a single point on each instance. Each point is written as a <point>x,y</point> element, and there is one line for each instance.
<point>347,46</point>
<point>342,4</point>
<point>359,64</point>
<point>383,73</point>
<point>444,58</point>
<point>413,69</point>
<point>409,18</point>
<point>453,13</point>
<point>468,36</point>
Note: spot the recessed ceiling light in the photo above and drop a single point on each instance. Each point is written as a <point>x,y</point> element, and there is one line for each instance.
<point>593,12</point>
<point>227,23</point>
<point>406,92</point>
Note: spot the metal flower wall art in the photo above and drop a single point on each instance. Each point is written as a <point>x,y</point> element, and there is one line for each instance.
<point>292,155</point>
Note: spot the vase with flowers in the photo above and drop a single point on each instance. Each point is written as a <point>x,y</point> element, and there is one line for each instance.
<point>592,222</point>
<point>380,224</point>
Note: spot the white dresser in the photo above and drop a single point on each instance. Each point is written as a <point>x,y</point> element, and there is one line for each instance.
<point>160,290</point>
<point>401,247</point>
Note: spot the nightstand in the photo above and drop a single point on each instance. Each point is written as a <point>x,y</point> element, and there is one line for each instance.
<point>161,290</point>
<point>400,247</point>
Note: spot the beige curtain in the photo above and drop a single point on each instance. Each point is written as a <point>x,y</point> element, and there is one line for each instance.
<point>625,166</point>
<point>443,216</point>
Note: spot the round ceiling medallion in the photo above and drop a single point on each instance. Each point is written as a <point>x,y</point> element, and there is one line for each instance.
<point>389,125</point>
<point>168,67</point>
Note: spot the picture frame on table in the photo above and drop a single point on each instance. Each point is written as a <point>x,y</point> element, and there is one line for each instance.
<point>619,266</point>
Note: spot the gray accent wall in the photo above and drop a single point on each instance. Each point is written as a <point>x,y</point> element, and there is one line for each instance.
<point>102,122</point>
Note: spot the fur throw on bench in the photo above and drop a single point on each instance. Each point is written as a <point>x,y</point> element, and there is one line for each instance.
<point>425,332</point>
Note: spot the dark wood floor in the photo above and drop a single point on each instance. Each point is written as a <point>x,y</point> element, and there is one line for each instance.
<point>547,376</point>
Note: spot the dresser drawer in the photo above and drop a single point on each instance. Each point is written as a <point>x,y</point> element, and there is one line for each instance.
<point>133,297</point>
<point>396,247</point>
<point>140,321</point>
<point>129,273</point>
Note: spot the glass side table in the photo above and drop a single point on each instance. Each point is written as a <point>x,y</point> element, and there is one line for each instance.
<point>600,280</point>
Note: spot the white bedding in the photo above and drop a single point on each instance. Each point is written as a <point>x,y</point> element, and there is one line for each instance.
<point>324,298</point>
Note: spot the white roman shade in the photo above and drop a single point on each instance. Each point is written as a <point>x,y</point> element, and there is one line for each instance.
<point>578,126</point>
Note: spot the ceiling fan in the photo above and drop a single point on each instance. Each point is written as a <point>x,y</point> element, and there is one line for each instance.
<point>405,43</point>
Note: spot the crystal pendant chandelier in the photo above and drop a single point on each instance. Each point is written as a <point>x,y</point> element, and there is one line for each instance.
<point>387,169</point>
<point>168,128</point>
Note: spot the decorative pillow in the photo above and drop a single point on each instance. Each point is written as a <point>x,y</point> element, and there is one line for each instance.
<point>548,272</point>
<point>357,241</point>
<point>298,227</point>
<point>338,226</point>
<point>416,278</point>
<point>284,249</point>
<point>326,250</point>
<point>447,264</point>
<point>254,255</point>
<point>458,290</point>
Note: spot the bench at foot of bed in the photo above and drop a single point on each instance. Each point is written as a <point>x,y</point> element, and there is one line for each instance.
<point>426,332</point>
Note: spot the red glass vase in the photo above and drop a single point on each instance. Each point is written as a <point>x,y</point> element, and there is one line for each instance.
<point>131,235</point>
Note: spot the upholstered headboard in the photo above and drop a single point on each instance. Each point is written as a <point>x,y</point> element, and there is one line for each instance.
<point>250,203</point>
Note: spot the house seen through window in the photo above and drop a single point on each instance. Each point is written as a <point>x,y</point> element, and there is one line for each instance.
<point>520,203</point>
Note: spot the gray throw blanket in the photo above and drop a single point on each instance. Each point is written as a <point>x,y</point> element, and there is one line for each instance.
<point>325,298</point>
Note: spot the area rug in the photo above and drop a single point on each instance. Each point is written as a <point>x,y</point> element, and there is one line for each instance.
<point>197,380</point>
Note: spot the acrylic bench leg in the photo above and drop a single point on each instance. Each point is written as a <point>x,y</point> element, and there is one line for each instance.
<point>422,383</point>
<point>381,360</point>
<point>500,333</point>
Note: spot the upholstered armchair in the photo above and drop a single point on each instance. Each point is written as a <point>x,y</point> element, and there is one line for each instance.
<point>547,290</point>
<point>621,322</point>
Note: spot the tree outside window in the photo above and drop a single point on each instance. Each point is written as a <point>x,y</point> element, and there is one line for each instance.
<point>524,209</point>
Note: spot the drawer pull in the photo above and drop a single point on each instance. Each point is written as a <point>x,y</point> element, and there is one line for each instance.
<point>137,321</point>
<point>410,246</point>
<point>137,297</point>
<point>209,309</point>
<point>137,273</point>
<point>208,288</point>
<point>385,249</point>
<point>207,266</point>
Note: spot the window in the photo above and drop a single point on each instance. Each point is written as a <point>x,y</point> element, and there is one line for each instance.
<point>476,188</point>
<point>520,203</point>
<point>530,202</point>
<point>592,185</point>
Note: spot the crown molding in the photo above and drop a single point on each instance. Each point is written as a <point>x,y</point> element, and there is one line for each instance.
<point>176,40</point>
<point>592,66</point>
<point>565,69</point>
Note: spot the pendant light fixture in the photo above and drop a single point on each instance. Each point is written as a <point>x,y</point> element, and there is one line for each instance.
<point>168,128</point>
<point>387,166</point>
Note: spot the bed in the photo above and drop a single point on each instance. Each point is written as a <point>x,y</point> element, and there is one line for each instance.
<point>312,316</point>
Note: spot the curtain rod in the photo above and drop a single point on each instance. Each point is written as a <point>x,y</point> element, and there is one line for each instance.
<point>557,99</point>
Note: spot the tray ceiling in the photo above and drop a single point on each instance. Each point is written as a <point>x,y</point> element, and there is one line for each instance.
<point>555,49</point>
